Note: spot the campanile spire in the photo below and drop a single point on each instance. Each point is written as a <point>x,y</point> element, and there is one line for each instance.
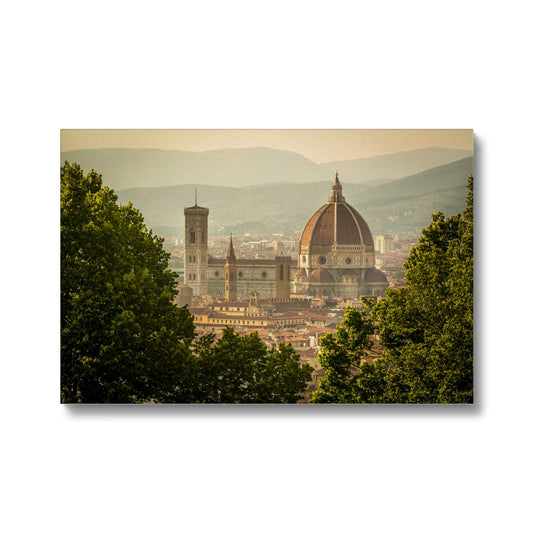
<point>230,270</point>
<point>230,255</point>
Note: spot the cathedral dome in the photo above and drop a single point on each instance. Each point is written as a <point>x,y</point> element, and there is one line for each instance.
<point>375,276</point>
<point>336,223</point>
<point>320,276</point>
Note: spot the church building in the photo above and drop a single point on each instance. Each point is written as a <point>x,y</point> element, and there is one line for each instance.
<point>231,277</point>
<point>336,259</point>
<point>336,255</point>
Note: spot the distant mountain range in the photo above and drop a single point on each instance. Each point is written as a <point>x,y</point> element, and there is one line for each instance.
<point>394,166</point>
<point>123,168</point>
<point>406,204</point>
<point>400,206</point>
<point>126,168</point>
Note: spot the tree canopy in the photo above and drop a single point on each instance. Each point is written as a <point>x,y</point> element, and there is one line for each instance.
<point>122,338</point>
<point>425,329</point>
<point>242,369</point>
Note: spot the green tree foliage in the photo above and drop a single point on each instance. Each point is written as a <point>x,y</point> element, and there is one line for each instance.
<point>340,358</point>
<point>242,369</point>
<point>122,339</point>
<point>426,329</point>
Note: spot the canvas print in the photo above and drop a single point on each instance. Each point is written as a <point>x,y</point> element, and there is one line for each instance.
<point>267,266</point>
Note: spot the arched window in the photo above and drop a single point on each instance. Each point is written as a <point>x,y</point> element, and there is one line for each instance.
<point>192,237</point>
<point>280,272</point>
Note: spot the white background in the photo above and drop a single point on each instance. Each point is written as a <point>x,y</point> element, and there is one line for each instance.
<point>260,65</point>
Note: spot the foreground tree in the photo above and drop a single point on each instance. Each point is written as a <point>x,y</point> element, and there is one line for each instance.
<point>340,358</point>
<point>122,339</point>
<point>242,369</point>
<point>426,329</point>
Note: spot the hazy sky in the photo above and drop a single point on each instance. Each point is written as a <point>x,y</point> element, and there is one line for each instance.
<point>319,146</point>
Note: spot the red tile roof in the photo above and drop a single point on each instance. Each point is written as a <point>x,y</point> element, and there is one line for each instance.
<point>320,276</point>
<point>375,275</point>
<point>336,223</point>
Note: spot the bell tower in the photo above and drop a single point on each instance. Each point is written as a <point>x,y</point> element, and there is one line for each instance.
<point>230,271</point>
<point>283,285</point>
<point>195,260</point>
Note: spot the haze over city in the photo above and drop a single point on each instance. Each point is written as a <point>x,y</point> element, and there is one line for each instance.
<point>320,146</point>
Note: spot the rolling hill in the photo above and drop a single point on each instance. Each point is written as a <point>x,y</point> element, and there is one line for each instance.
<point>405,205</point>
<point>440,178</point>
<point>401,206</point>
<point>394,166</point>
<point>123,168</point>
<point>278,207</point>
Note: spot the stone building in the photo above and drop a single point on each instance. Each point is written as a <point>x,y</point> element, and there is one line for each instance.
<point>336,255</point>
<point>196,255</point>
<point>231,277</point>
<point>384,244</point>
<point>336,258</point>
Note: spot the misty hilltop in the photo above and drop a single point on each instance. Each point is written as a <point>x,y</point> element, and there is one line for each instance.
<point>124,168</point>
<point>394,166</point>
<point>401,206</point>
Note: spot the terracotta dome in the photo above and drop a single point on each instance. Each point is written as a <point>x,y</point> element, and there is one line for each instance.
<point>301,272</point>
<point>336,223</point>
<point>320,276</point>
<point>375,276</point>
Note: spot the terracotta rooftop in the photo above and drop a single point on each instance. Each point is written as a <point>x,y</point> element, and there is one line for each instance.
<point>336,223</point>
<point>248,262</point>
<point>375,275</point>
<point>320,276</point>
<point>231,304</point>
